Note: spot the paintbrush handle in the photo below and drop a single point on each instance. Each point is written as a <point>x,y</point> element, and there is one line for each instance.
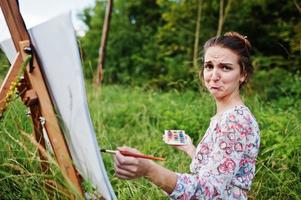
<point>131,154</point>
<point>136,155</point>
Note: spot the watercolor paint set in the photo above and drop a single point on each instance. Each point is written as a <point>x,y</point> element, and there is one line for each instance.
<point>175,137</point>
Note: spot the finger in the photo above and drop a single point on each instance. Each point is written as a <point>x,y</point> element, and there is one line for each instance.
<point>125,160</point>
<point>133,169</point>
<point>177,145</point>
<point>123,177</point>
<point>129,149</point>
<point>124,173</point>
<point>188,138</point>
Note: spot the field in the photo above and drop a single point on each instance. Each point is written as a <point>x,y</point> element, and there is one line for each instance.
<point>137,117</point>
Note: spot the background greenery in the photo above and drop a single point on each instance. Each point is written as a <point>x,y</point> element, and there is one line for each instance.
<point>152,42</point>
<point>151,84</point>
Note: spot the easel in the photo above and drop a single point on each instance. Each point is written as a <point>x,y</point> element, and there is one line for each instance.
<point>35,95</point>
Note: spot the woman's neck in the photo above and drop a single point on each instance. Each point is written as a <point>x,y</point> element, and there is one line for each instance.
<point>228,102</point>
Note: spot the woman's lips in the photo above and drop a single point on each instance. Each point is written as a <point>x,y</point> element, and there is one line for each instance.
<point>215,87</point>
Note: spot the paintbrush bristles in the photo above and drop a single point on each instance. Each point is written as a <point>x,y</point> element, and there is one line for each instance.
<point>108,151</point>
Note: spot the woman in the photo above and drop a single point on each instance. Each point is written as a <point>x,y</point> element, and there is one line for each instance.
<point>223,164</point>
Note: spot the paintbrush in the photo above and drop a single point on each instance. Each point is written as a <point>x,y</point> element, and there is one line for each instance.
<point>131,154</point>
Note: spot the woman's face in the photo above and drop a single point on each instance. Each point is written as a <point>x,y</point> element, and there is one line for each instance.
<point>222,74</point>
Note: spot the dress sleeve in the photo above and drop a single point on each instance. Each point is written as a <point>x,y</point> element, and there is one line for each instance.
<point>223,155</point>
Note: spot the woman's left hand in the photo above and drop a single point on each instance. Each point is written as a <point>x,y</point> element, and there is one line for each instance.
<point>188,148</point>
<point>127,167</point>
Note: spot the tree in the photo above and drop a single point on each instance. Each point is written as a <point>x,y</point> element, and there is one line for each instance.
<point>197,35</point>
<point>223,12</point>
<point>129,48</point>
<point>102,48</point>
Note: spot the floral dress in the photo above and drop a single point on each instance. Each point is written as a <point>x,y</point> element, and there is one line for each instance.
<point>224,164</point>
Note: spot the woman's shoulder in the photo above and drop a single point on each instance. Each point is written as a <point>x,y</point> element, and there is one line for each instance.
<point>240,113</point>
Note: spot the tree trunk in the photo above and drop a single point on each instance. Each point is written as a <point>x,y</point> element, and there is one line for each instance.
<point>102,48</point>
<point>221,18</point>
<point>222,15</point>
<point>197,35</point>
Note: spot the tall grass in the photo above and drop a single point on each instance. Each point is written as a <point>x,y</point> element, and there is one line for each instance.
<point>136,117</point>
<point>21,176</point>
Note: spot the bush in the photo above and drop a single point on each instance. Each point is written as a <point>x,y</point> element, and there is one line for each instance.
<point>278,83</point>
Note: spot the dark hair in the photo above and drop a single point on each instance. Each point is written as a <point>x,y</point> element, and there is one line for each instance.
<point>240,45</point>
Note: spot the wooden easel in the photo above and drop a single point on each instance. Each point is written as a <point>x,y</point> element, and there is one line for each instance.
<point>35,95</point>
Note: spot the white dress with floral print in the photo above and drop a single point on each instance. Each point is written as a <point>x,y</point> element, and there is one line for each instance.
<point>224,164</point>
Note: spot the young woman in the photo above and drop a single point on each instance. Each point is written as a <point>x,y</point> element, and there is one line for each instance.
<point>223,164</point>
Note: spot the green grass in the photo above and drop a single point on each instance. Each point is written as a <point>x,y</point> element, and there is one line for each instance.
<point>20,170</point>
<point>136,117</point>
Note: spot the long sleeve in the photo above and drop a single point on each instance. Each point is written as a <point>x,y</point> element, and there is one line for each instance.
<point>221,157</point>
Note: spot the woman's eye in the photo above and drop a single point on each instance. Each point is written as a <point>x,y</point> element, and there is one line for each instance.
<point>226,68</point>
<point>208,67</point>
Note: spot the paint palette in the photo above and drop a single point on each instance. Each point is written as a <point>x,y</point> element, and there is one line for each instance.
<point>175,137</point>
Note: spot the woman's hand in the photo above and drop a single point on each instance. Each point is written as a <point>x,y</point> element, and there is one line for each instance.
<point>189,148</point>
<point>127,167</point>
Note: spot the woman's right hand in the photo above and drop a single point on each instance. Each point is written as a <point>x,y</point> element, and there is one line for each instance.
<point>127,167</point>
<point>188,148</point>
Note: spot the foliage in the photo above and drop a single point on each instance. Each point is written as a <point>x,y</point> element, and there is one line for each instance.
<point>151,43</point>
<point>277,82</point>
<point>4,65</point>
<point>269,24</point>
<point>130,27</point>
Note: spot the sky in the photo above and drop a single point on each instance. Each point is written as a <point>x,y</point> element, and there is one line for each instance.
<point>35,12</point>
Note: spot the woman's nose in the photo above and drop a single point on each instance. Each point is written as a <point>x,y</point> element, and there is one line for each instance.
<point>215,75</point>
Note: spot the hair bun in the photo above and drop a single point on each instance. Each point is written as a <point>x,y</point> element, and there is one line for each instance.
<point>243,39</point>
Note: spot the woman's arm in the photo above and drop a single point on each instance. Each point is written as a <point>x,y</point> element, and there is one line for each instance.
<point>130,168</point>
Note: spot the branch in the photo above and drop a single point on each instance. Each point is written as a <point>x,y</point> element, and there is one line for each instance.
<point>297,6</point>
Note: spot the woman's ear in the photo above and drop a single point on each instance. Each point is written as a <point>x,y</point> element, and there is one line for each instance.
<point>243,78</point>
